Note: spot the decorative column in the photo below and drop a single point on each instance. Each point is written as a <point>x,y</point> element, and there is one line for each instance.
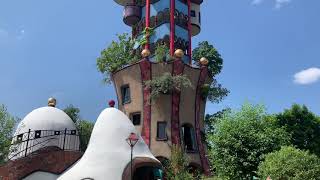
<point>172,26</point>
<point>147,46</point>
<point>203,158</point>
<point>177,69</point>
<point>190,33</point>
<point>146,74</point>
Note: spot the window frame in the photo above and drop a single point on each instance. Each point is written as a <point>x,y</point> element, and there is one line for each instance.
<point>193,137</point>
<point>122,88</point>
<point>165,131</point>
<point>131,118</point>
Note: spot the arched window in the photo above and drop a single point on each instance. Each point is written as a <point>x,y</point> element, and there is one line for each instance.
<point>188,138</point>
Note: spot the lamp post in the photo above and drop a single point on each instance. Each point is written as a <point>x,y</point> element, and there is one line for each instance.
<point>132,141</point>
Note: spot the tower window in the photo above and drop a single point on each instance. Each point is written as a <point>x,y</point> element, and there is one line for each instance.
<point>193,13</point>
<point>125,94</point>
<point>199,17</point>
<point>136,118</point>
<point>188,137</point>
<point>161,131</point>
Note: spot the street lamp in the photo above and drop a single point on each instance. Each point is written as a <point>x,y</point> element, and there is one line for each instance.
<point>132,141</point>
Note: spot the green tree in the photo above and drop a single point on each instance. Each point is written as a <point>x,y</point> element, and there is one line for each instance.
<point>117,55</point>
<point>290,164</point>
<point>72,112</point>
<point>211,120</point>
<point>84,127</point>
<point>303,125</point>
<point>241,139</point>
<point>177,167</point>
<point>7,124</point>
<point>213,91</point>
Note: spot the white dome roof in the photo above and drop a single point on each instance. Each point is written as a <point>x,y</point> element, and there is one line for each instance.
<point>45,118</point>
<point>108,153</point>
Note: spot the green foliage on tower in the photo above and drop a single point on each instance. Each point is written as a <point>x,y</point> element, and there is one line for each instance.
<point>116,56</point>
<point>241,139</point>
<point>290,163</point>
<point>165,84</point>
<point>7,124</point>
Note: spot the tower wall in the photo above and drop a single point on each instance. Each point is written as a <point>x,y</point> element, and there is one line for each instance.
<point>176,108</point>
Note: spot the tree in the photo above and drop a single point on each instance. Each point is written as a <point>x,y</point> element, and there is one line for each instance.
<point>84,127</point>
<point>211,119</point>
<point>177,167</point>
<point>213,91</point>
<point>303,125</point>
<point>72,112</point>
<point>117,55</point>
<point>241,139</point>
<point>290,163</point>
<point>7,124</point>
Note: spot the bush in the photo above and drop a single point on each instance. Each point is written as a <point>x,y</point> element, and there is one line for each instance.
<point>290,163</point>
<point>177,167</point>
<point>166,84</point>
<point>241,139</point>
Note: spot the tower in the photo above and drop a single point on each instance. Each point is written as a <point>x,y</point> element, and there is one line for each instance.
<point>177,116</point>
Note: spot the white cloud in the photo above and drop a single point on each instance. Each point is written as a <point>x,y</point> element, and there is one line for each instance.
<point>278,3</point>
<point>307,76</point>
<point>256,2</point>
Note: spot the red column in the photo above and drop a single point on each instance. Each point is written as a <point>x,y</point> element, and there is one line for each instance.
<point>147,21</point>
<point>190,32</point>
<point>172,26</point>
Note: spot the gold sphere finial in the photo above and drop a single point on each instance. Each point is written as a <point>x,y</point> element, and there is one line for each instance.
<point>178,53</point>
<point>145,53</point>
<point>52,102</point>
<point>204,61</point>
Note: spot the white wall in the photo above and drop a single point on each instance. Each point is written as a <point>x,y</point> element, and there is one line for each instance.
<point>39,175</point>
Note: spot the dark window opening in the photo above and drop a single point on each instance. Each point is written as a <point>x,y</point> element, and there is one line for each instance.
<point>136,119</point>
<point>73,132</point>
<point>188,137</point>
<point>37,134</point>
<point>56,132</point>
<point>125,94</point>
<point>19,137</point>
<point>193,13</point>
<point>199,17</point>
<point>161,131</point>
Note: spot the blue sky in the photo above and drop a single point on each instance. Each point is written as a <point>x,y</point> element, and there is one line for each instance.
<point>49,48</point>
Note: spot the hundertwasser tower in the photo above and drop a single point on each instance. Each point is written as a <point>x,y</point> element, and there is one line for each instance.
<point>176,117</point>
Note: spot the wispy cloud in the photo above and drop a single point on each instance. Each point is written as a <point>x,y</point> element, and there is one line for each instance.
<point>9,37</point>
<point>307,76</point>
<point>278,3</point>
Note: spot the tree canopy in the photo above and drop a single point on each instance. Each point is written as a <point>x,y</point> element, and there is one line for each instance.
<point>241,139</point>
<point>117,55</point>
<point>7,124</point>
<point>290,163</point>
<point>303,125</point>
<point>72,112</point>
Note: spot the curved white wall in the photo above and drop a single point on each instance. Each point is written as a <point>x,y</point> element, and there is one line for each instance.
<point>40,175</point>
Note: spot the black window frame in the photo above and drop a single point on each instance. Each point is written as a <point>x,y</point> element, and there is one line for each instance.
<point>193,13</point>
<point>122,90</point>
<point>165,131</point>
<point>37,134</point>
<point>132,120</point>
<point>192,136</point>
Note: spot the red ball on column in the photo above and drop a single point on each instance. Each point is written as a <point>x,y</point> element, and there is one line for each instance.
<point>111,103</point>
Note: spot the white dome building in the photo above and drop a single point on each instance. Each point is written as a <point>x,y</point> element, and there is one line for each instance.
<point>108,153</point>
<point>44,127</point>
